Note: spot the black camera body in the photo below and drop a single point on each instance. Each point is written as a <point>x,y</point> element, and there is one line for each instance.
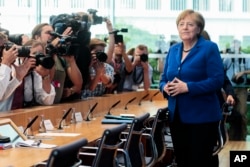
<point>46,61</point>
<point>23,51</point>
<point>144,57</point>
<point>101,56</point>
<point>119,37</point>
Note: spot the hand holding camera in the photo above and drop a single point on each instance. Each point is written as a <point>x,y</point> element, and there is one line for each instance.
<point>24,68</point>
<point>9,56</point>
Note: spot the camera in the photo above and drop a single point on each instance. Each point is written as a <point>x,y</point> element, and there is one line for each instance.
<point>227,109</point>
<point>240,80</point>
<point>118,37</point>
<point>101,56</point>
<point>144,57</point>
<point>23,51</point>
<point>62,21</point>
<point>46,61</point>
<point>67,46</point>
<point>96,19</point>
<point>16,38</point>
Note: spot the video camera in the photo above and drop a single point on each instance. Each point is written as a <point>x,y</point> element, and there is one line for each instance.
<point>118,37</point>
<point>96,19</point>
<point>67,46</point>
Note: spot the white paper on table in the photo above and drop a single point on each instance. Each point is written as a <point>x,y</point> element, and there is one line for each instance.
<point>58,134</point>
<point>34,144</point>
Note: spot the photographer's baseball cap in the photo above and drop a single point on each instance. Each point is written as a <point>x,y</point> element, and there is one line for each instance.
<point>97,41</point>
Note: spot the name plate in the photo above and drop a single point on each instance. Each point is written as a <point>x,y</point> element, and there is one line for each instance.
<point>48,124</point>
<point>78,117</point>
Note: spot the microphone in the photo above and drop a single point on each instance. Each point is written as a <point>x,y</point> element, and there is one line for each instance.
<point>63,118</point>
<point>130,101</point>
<point>143,98</point>
<point>30,124</point>
<point>156,93</point>
<point>113,107</point>
<point>90,111</point>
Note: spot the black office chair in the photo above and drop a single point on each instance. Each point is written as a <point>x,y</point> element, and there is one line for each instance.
<point>133,144</point>
<point>105,153</point>
<point>66,155</point>
<point>156,129</point>
<point>222,130</point>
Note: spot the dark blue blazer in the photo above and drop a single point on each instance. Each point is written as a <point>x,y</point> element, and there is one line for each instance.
<point>202,70</point>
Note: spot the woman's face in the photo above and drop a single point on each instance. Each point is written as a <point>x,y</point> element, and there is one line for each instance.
<point>188,29</point>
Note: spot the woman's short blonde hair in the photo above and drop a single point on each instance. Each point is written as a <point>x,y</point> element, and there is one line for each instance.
<point>198,18</point>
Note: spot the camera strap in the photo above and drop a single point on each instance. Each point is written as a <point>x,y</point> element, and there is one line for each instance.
<point>138,75</point>
<point>33,100</point>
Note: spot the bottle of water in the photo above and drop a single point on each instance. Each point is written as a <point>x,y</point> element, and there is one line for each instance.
<point>73,118</point>
<point>42,128</point>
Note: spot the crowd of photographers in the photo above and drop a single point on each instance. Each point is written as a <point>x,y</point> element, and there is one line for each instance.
<point>60,62</point>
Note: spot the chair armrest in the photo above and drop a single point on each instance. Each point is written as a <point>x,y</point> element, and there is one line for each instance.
<point>153,150</point>
<point>40,164</point>
<point>126,157</point>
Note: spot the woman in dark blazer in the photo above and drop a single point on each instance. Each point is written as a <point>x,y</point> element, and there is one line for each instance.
<point>193,73</point>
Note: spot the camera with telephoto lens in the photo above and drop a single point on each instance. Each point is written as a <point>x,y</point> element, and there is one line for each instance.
<point>236,80</point>
<point>16,38</point>
<point>23,51</point>
<point>144,57</point>
<point>96,19</point>
<point>101,56</point>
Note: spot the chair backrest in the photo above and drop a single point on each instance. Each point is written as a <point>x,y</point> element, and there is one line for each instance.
<point>158,124</point>
<point>66,155</point>
<point>158,133</point>
<point>222,129</point>
<point>133,144</point>
<point>107,148</point>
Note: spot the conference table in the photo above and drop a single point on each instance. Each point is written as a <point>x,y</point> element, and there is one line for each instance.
<point>135,103</point>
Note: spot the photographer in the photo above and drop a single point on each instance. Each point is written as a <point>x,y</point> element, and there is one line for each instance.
<point>12,76</point>
<point>65,66</point>
<point>122,67</point>
<point>237,69</point>
<point>37,84</point>
<point>101,73</point>
<point>142,70</point>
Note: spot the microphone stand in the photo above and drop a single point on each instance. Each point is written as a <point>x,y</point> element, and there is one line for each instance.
<point>113,107</point>
<point>30,124</point>
<point>90,111</point>
<point>130,101</point>
<point>63,118</point>
<point>142,99</point>
<point>156,93</point>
